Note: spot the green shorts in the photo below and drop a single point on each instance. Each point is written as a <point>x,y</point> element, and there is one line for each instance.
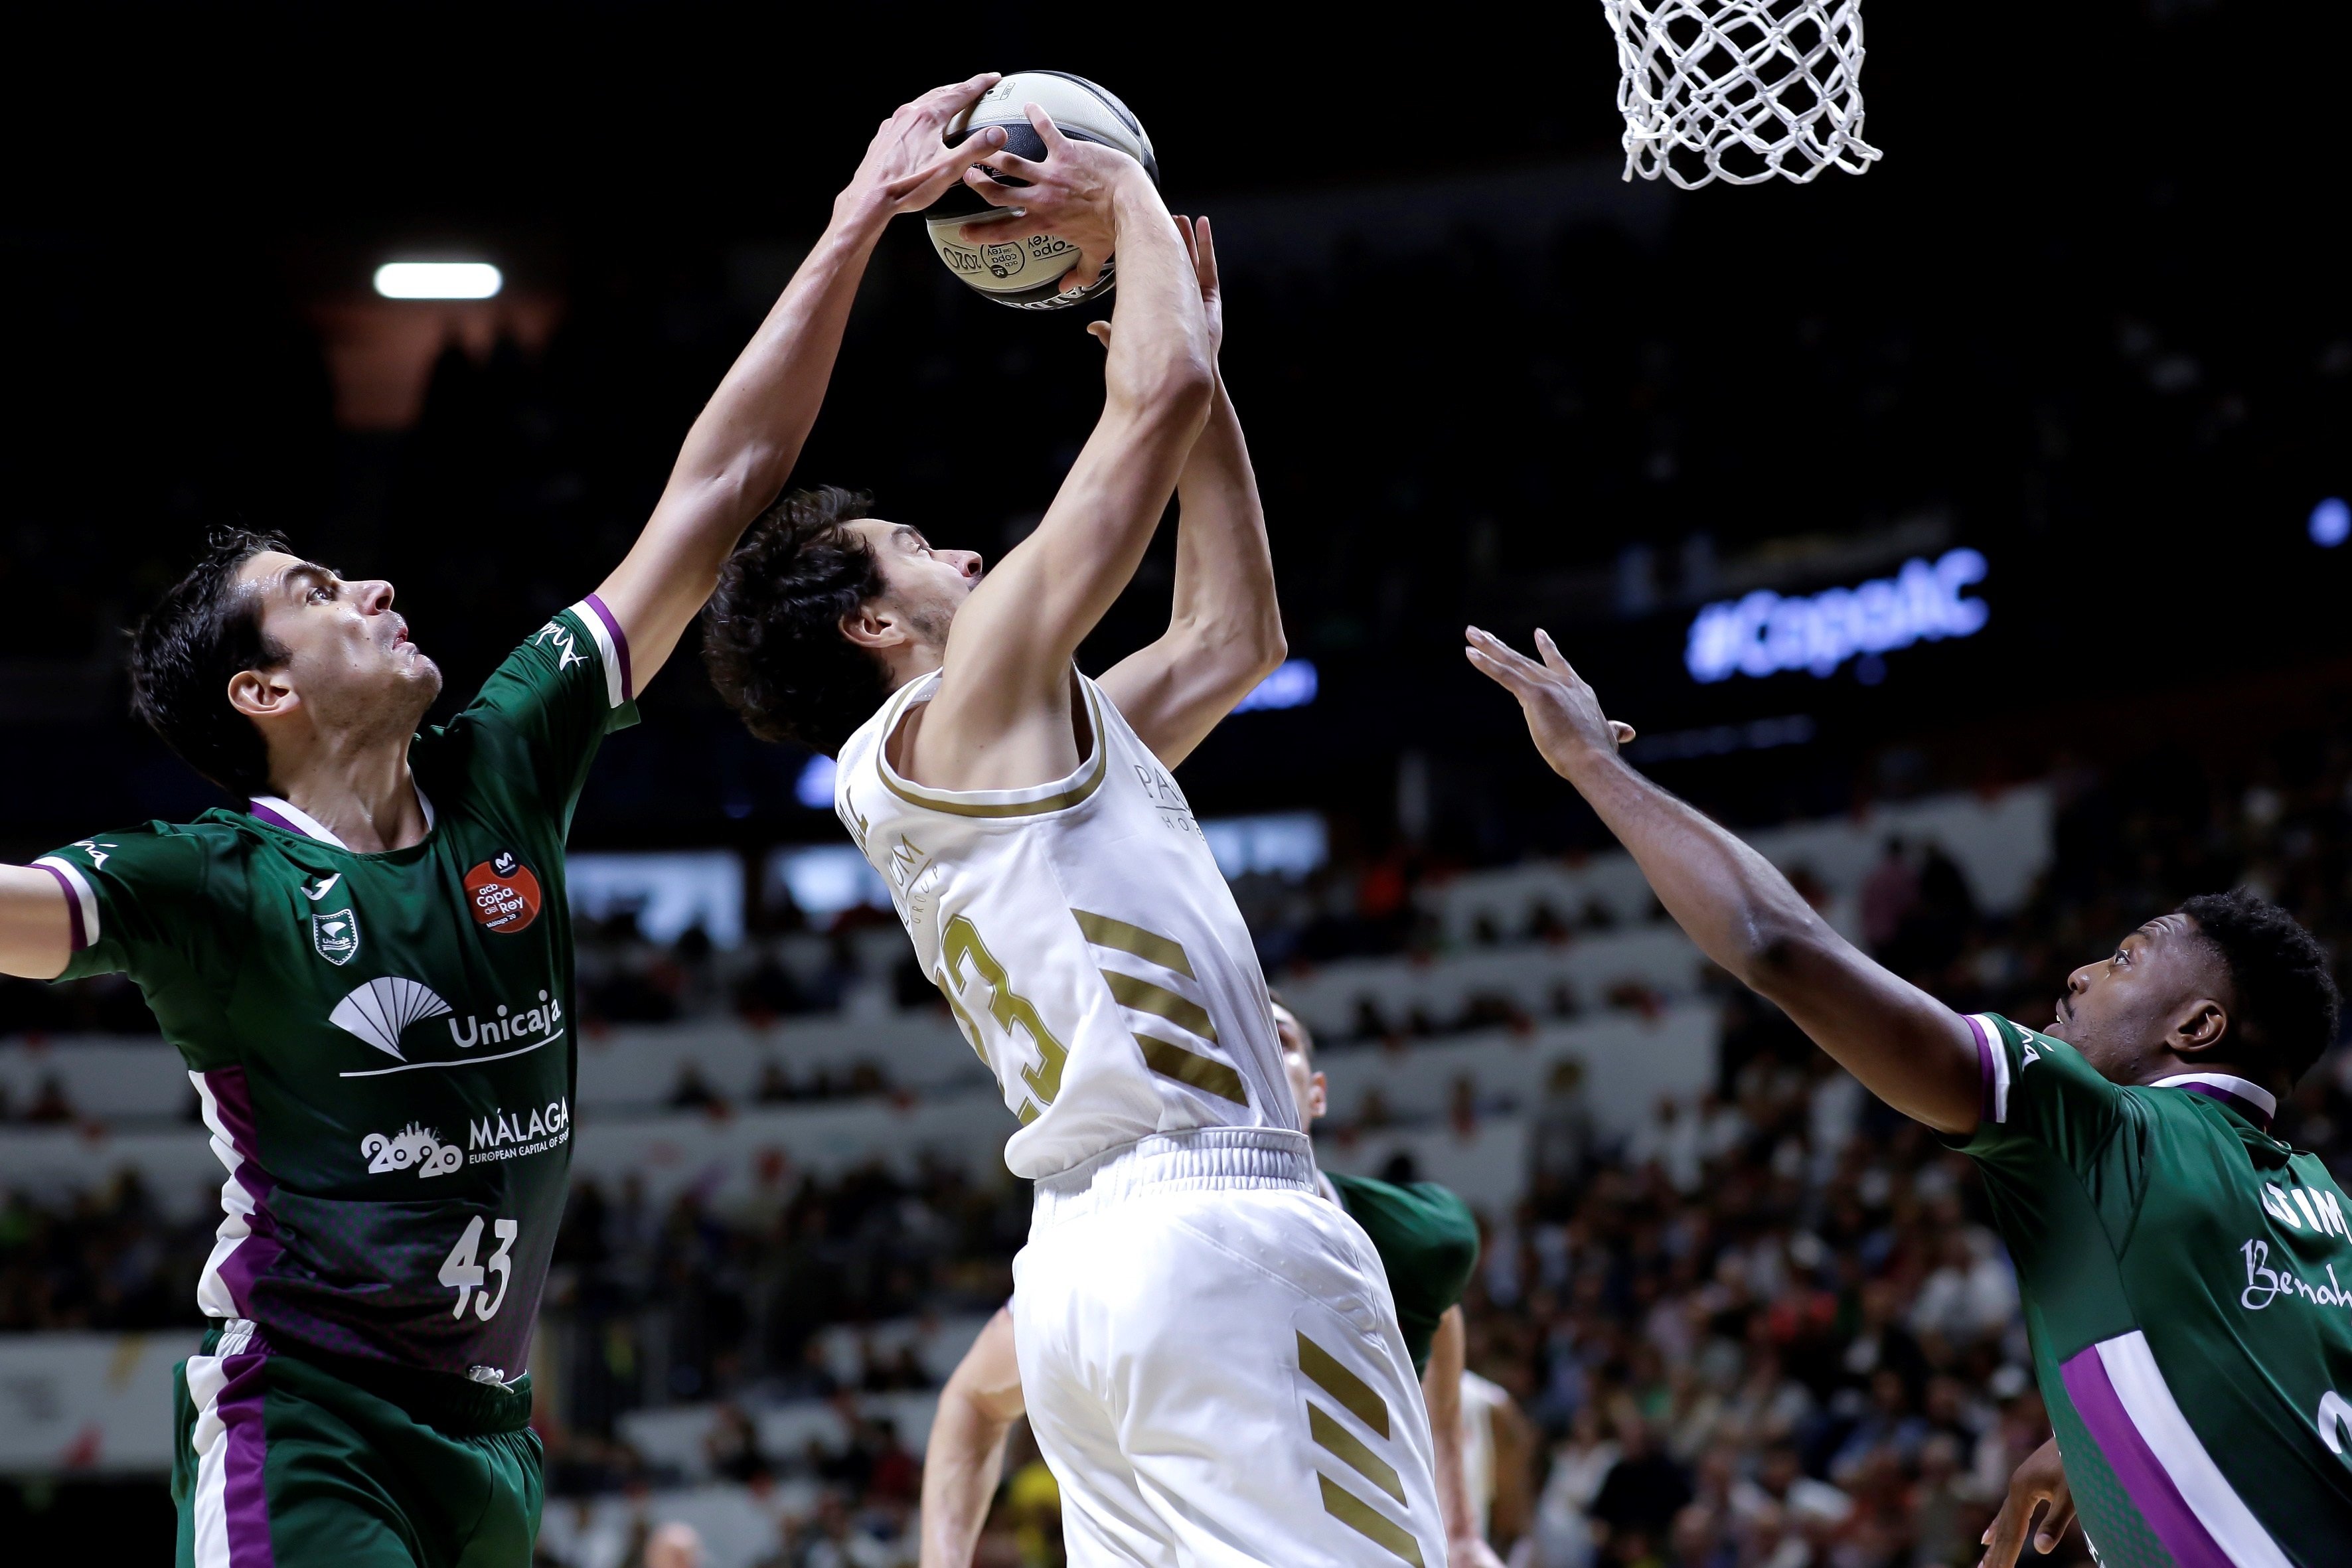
<point>281,1463</point>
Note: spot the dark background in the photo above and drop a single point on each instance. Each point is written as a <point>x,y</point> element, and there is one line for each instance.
<point>2087,316</point>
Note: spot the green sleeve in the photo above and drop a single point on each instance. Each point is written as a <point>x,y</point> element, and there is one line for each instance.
<point>1428,1242</point>
<point>553,701</point>
<point>2051,1120</point>
<point>152,903</point>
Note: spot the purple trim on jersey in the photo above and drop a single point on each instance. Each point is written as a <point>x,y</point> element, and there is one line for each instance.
<point>620,645</point>
<point>2135,1466</point>
<point>233,1103</point>
<point>255,809</point>
<point>1987,1074</point>
<point>245,1497</point>
<point>73,907</point>
<point>2237,1102</point>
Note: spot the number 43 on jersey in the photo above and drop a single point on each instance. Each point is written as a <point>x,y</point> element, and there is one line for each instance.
<point>461,1273</point>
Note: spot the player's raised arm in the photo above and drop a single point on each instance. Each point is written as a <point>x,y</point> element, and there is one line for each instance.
<point>1002,716</point>
<point>35,922</point>
<point>966,1453</point>
<point>1224,631</point>
<point>1907,1047</point>
<point>740,449</point>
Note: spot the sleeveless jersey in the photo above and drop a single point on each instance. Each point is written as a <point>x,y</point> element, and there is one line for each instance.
<point>382,1044</point>
<point>2187,1289</point>
<point>1083,937</point>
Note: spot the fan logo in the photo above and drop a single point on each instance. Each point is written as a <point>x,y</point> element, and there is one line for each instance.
<point>336,937</point>
<point>416,1148</point>
<point>378,1011</point>
<point>502,893</point>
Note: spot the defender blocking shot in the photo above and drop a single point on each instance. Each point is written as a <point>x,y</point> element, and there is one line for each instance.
<point>367,967</point>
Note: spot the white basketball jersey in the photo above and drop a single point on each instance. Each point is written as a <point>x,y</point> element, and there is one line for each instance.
<point>1083,937</point>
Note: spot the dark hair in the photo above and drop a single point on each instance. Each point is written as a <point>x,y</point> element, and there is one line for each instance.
<point>185,651</point>
<point>772,637</point>
<point>2285,986</point>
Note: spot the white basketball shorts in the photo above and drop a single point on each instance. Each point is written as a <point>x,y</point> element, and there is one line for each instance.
<point>1213,1365</point>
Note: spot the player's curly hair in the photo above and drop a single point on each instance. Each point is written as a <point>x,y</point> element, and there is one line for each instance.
<point>771,635</point>
<point>2286,983</point>
<point>183,653</point>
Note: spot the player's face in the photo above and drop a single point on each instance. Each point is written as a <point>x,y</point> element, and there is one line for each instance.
<point>350,661</point>
<point>1308,1089</point>
<point>2121,1011</point>
<point>923,587</point>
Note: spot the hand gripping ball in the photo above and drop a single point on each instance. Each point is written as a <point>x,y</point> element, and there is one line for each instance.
<point>1027,274</point>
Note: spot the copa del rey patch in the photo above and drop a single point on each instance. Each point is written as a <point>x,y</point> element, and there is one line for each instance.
<point>503,893</point>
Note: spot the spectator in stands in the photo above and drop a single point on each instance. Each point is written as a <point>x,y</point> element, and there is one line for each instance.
<point>1888,895</point>
<point>1641,1493</point>
<point>51,1107</point>
<point>674,1545</point>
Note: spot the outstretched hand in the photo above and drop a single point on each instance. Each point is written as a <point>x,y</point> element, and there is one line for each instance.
<point>909,163</point>
<point>1201,246</point>
<point>1068,194</point>
<point>2040,1479</point>
<point>1563,713</point>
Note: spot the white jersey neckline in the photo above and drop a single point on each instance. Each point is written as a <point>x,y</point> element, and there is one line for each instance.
<point>1031,800</point>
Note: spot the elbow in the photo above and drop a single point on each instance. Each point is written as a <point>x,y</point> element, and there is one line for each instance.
<point>1776,950</point>
<point>1270,649</point>
<point>1177,390</point>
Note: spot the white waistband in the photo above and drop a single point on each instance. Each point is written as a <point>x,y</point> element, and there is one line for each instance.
<point>1200,1159</point>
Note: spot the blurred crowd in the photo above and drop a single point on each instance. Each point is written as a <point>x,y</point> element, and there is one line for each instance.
<point>1770,1329</point>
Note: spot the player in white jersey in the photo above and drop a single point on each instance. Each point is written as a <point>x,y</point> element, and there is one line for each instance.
<point>1059,893</point>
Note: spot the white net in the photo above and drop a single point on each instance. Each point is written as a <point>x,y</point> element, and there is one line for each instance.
<point>1742,91</point>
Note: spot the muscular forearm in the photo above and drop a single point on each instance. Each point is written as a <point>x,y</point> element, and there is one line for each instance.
<point>960,1469</point>
<point>1440,1388</point>
<point>755,423</point>
<point>1160,365</point>
<point>1743,913</point>
<point>1225,590</point>
<point>742,446</point>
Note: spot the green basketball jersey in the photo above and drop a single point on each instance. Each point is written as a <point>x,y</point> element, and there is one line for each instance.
<point>382,1043</point>
<point>2187,1287</point>
<point>1428,1244</point>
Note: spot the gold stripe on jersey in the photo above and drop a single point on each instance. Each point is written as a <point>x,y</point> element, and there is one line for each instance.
<point>1369,1521</point>
<point>1148,945</point>
<point>1161,1003</point>
<point>1071,796</point>
<point>1191,1067</point>
<point>1350,1451</point>
<point>1357,1396</point>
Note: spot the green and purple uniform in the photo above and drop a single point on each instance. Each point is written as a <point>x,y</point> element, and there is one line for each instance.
<point>384,1050</point>
<point>2187,1289</point>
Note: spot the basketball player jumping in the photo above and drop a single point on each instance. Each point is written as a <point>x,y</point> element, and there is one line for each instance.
<point>2184,1272</point>
<point>369,967</point>
<point>1211,1357</point>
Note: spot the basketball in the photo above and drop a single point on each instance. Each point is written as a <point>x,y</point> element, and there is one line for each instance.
<point>1027,274</point>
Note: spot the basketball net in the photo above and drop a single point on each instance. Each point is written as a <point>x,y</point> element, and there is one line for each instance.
<point>1740,91</point>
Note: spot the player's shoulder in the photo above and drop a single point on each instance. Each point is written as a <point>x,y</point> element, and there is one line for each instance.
<point>1433,1215</point>
<point>213,832</point>
<point>2021,1047</point>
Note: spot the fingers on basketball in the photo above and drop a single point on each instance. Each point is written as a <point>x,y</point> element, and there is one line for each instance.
<point>1047,132</point>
